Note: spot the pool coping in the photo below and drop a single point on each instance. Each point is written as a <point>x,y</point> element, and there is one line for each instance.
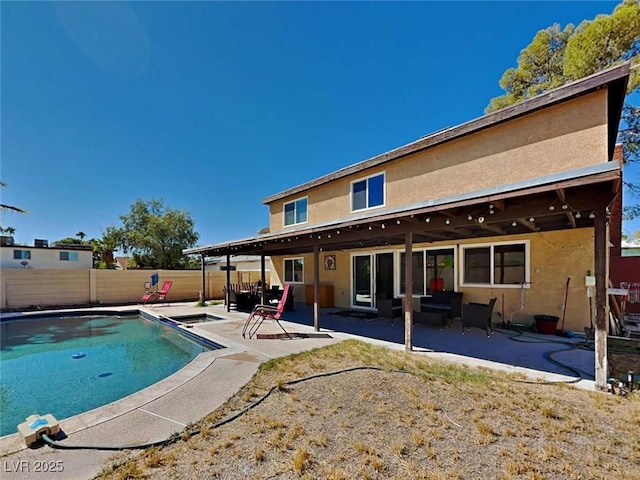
<point>15,442</point>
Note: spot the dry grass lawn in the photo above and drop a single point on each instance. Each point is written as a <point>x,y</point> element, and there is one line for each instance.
<point>437,421</point>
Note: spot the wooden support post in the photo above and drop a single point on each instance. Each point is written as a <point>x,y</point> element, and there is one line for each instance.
<point>408,289</point>
<point>262,279</point>
<point>316,287</point>
<point>203,295</point>
<point>602,281</point>
<point>227,296</point>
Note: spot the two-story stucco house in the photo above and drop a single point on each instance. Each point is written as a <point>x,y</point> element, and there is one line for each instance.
<point>514,201</point>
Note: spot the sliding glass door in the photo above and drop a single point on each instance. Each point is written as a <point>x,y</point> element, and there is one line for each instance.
<point>361,281</point>
<point>371,278</point>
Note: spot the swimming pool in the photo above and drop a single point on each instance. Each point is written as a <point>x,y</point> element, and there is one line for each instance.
<point>68,365</point>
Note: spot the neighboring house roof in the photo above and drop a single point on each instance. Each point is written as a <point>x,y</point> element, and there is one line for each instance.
<point>633,243</point>
<point>615,77</point>
<point>122,262</point>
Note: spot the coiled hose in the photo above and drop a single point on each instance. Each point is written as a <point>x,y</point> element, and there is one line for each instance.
<point>518,336</point>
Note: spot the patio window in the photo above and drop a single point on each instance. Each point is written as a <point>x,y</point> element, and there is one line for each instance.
<point>367,193</point>
<point>433,269</point>
<point>496,264</point>
<point>68,256</point>
<point>295,212</point>
<point>294,270</point>
<point>22,254</point>
<point>417,270</point>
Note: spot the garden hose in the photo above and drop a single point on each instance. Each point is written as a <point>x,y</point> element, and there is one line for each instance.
<point>519,336</point>
<point>62,446</point>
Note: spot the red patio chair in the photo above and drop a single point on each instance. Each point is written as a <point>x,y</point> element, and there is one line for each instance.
<point>262,312</point>
<point>161,295</point>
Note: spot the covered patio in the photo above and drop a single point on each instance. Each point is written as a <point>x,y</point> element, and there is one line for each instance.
<point>576,199</point>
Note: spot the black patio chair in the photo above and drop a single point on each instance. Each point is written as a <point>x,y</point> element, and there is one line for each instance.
<point>478,315</point>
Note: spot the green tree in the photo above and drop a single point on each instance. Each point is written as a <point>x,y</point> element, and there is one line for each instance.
<point>156,235</point>
<point>4,207</point>
<point>540,68</point>
<point>556,56</point>
<point>605,41</point>
<point>67,241</point>
<point>104,248</point>
<point>9,208</point>
<point>81,235</point>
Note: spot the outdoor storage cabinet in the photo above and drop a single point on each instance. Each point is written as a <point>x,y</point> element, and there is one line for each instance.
<point>325,295</point>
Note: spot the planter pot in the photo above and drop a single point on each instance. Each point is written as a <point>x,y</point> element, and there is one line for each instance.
<point>546,324</point>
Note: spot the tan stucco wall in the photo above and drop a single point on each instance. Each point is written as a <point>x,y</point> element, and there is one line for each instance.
<point>560,138</point>
<point>554,256</point>
<point>29,288</point>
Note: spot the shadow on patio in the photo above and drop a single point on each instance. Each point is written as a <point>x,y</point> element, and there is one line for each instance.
<point>545,353</point>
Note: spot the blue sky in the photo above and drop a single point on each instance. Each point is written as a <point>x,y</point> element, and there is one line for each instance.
<point>213,106</point>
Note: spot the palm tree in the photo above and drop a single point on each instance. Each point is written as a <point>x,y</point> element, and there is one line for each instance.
<point>81,235</point>
<point>4,207</point>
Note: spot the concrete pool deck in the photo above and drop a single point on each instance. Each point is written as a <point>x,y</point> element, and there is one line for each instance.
<point>166,407</point>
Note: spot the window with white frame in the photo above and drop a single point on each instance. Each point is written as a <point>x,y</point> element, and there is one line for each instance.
<point>69,256</point>
<point>294,270</point>
<point>433,269</point>
<point>368,192</point>
<point>417,270</point>
<point>495,264</point>
<point>22,254</point>
<point>296,211</point>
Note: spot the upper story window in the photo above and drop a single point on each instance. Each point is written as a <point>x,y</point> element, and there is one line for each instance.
<point>69,256</point>
<point>22,254</point>
<point>295,212</point>
<point>367,193</point>
<point>496,264</point>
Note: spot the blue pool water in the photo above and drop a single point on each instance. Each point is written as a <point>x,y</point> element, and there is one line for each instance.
<point>65,366</point>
